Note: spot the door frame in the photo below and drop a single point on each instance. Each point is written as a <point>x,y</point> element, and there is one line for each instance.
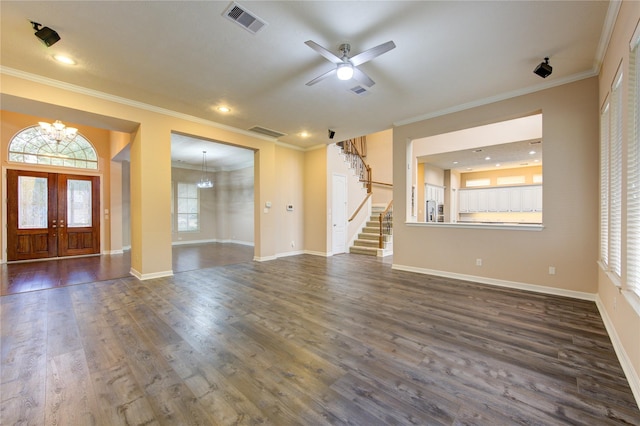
<point>4,192</point>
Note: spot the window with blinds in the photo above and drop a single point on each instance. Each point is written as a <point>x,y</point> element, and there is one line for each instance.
<point>615,179</point>
<point>633,170</point>
<point>604,186</point>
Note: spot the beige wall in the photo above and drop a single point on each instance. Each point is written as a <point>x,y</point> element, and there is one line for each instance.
<point>315,202</point>
<point>569,238</point>
<point>493,175</point>
<point>380,159</point>
<point>290,177</point>
<point>621,310</point>
<point>226,210</point>
<point>150,167</point>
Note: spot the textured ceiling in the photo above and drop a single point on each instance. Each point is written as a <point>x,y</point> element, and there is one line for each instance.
<point>186,57</point>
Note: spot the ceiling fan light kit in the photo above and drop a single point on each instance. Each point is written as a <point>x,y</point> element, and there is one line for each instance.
<point>344,71</point>
<point>347,67</point>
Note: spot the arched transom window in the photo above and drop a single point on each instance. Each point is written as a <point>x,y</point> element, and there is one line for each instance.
<point>30,146</point>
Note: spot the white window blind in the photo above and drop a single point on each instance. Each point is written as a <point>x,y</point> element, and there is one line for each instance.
<point>615,183</point>
<point>604,185</point>
<point>633,178</point>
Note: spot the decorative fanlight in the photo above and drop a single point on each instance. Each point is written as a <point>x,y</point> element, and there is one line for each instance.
<point>58,131</point>
<point>205,181</point>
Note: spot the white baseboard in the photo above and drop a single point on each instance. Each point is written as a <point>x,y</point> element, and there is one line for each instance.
<point>110,252</point>
<point>209,241</point>
<point>290,253</point>
<point>500,283</point>
<point>633,377</point>
<point>264,258</point>
<point>143,277</point>
<point>318,253</point>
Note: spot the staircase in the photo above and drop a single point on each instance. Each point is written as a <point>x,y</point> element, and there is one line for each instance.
<point>368,240</point>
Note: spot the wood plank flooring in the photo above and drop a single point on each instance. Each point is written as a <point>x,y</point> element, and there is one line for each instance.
<point>306,340</point>
<point>21,277</point>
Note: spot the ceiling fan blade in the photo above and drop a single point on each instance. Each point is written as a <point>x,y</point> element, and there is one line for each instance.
<point>368,55</point>
<point>321,77</point>
<point>362,77</point>
<point>324,52</point>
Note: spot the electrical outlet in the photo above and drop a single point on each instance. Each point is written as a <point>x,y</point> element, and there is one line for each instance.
<point>478,262</point>
<point>552,270</point>
<point>293,243</point>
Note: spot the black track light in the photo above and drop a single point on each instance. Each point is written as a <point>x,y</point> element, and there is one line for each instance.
<point>48,36</point>
<point>331,134</point>
<point>544,69</point>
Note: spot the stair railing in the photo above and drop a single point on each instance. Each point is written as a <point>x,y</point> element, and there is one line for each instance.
<point>353,216</point>
<point>357,163</point>
<point>385,219</point>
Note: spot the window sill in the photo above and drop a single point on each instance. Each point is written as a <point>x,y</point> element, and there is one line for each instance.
<point>485,225</point>
<point>633,300</point>
<point>615,280</point>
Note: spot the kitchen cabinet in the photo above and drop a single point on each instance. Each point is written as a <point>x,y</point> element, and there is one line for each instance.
<point>526,198</point>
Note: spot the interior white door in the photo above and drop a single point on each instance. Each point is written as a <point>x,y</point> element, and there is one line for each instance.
<point>339,214</point>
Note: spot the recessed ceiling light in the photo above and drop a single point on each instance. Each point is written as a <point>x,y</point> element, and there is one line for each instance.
<point>304,134</point>
<point>455,162</point>
<point>536,161</point>
<point>64,59</point>
<point>498,165</point>
<point>487,158</point>
<point>224,109</point>
<point>531,152</point>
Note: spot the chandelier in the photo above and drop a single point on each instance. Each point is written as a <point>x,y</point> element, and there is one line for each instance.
<point>205,181</point>
<point>57,131</point>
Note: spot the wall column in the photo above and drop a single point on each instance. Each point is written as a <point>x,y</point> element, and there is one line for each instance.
<point>151,202</point>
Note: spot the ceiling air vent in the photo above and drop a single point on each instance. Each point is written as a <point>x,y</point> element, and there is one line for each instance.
<point>244,18</point>
<point>267,132</point>
<point>359,90</point>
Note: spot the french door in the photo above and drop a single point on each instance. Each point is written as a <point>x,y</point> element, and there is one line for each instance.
<point>52,215</point>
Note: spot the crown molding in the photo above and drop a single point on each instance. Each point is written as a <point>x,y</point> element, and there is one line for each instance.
<point>124,101</point>
<point>500,97</point>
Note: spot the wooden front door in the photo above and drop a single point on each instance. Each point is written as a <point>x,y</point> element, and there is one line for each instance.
<point>51,215</point>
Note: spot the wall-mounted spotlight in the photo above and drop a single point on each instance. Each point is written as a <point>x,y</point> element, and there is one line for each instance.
<point>544,69</point>
<point>48,36</point>
<point>331,134</point>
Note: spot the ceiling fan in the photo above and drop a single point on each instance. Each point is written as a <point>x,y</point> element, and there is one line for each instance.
<point>347,67</point>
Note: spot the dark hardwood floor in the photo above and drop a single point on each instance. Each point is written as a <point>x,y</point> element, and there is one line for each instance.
<point>29,276</point>
<point>306,340</point>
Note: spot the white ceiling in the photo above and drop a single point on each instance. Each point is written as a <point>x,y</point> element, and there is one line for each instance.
<point>187,152</point>
<point>186,57</point>
<point>501,156</point>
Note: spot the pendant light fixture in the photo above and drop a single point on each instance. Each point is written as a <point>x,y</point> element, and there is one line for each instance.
<point>57,131</point>
<point>205,181</point>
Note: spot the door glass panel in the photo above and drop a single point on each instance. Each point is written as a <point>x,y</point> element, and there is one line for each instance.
<point>32,202</point>
<point>78,203</point>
